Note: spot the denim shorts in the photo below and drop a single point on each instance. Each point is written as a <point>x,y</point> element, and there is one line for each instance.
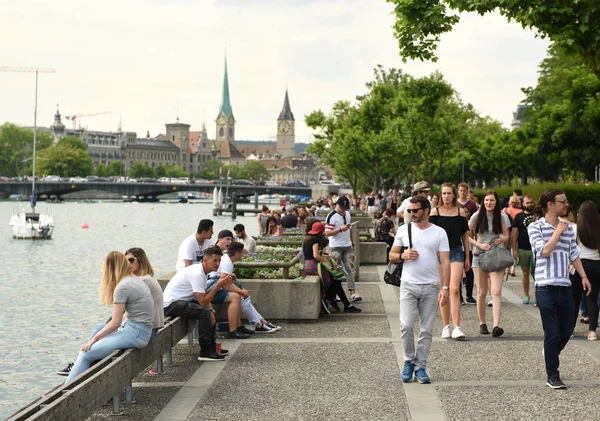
<point>220,296</point>
<point>457,255</point>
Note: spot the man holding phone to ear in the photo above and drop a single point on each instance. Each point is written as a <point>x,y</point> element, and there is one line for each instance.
<point>338,230</point>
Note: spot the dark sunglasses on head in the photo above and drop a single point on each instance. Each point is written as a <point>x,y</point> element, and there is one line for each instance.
<point>132,259</point>
<point>413,210</point>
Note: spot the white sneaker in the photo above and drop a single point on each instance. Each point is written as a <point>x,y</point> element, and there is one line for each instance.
<point>490,303</point>
<point>446,332</point>
<point>355,297</point>
<point>458,334</point>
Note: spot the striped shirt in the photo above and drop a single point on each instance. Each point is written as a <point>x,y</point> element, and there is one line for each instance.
<point>554,269</point>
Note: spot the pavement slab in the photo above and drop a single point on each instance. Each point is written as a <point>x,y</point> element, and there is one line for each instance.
<point>518,403</point>
<point>505,360</point>
<point>185,364</point>
<point>333,326</point>
<point>150,402</point>
<point>307,382</point>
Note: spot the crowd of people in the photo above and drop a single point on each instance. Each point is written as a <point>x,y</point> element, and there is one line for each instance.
<point>442,240</point>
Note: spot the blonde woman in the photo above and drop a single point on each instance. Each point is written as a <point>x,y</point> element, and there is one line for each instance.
<point>140,266</point>
<point>127,293</point>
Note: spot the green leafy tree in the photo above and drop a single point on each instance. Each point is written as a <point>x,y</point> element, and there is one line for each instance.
<point>116,168</point>
<point>65,161</point>
<point>73,142</point>
<point>101,170</point>
<point>139,170</point>
<point>16,148</point>
<point>563,119</point>
<point>210,169</point>
<point>569,24</point>
<point>255,171</point>
<point>175,171</point>
<point>160,171</point>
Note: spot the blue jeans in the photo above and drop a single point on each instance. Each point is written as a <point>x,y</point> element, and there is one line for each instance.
<point>556,310</point>
<point>129,335</point>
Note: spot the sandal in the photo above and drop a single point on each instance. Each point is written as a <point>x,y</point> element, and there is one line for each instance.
<point>592,337</point>
<point>584,320</point>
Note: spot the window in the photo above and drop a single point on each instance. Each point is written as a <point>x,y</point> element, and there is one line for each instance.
<point>230,132</point>
<point>221,132</point>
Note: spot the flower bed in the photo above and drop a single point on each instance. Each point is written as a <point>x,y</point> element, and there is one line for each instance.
<point>270,262</point>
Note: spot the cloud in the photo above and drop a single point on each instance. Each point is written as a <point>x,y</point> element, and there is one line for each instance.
<point>144,59</point>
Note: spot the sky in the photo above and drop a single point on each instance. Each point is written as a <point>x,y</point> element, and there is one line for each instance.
<point>146,62</point>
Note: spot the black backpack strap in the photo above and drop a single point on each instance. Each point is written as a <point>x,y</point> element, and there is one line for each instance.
<point>409,235</point>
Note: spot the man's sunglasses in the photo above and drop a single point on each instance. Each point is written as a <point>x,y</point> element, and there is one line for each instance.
<point>132,259</point>
<point>413,210</point>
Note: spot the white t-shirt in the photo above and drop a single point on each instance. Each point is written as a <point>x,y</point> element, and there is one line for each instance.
<point>226,266</point>
<point>335,221</point>
<point>429,243</point>
<point>191,250</point>
<point>249,244</point>
<point>586,253</point>
<point>185,284</point>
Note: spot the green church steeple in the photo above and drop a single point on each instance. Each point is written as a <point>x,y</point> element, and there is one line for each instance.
<point>225,100</point>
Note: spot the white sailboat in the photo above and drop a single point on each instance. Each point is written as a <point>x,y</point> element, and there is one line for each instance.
<point>33,225</point>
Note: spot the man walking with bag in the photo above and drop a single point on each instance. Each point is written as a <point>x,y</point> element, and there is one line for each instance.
<point>421,289</point>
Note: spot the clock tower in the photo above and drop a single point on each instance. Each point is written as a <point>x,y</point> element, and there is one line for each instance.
<point>225,120</point>
<point>286,134</point>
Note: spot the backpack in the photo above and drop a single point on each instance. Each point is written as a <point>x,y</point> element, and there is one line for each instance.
<point>381,230</point>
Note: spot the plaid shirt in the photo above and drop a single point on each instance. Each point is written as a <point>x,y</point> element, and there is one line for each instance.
<point>554,269</point>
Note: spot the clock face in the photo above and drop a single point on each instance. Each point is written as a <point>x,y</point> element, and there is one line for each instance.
<point>222,120</point>
<point>284,127</point>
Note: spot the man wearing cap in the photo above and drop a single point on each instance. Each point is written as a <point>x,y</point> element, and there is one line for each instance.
<point>338,230</point>
<point>420,188</point>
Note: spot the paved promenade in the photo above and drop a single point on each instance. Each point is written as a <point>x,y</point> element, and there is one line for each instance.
<point>347,366</point>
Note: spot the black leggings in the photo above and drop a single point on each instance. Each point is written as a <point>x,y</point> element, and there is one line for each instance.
<point>592,270</point>
<point>469,276</point>
<point>335,288</point>
<point>576,290</point>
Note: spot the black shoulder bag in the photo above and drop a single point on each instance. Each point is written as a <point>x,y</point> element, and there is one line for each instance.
<point>393,272</point>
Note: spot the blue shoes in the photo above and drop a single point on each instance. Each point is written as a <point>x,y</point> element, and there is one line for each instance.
<point>421,376</point>
<point>407,373</point>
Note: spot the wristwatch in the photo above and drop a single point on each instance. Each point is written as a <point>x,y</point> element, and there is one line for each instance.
<point>447,288</point>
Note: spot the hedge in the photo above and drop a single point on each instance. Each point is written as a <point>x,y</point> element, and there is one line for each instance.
<point>576,193</point>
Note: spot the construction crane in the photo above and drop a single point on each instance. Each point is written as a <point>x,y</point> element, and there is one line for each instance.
<point>37,71</point>
<point>76,117</point>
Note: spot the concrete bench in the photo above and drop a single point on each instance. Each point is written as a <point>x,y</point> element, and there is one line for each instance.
<point>105,380</point>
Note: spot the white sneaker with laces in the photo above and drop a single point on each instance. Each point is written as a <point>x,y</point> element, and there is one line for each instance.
<point>355,297</point>
<point>458,334</point>
<point>490,303</point>
<point>446,332</point>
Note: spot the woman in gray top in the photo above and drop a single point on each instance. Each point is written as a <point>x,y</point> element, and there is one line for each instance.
<point>140,266</point>
<point>129,294</point>
<point>488,225</point>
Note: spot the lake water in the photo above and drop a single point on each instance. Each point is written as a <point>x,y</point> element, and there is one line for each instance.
<point>49,289</point>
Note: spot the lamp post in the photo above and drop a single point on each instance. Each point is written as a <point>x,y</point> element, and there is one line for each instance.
<point>463,161</point>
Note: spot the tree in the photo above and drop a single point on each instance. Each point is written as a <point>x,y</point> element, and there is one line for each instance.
<point>569,24</point>
<point>563,119</point>
<point>404,128</point>
<point>116,168</point>
<point>65,161</point>
<point>101,170</point>
<point>210,169</point>
<point>255,171</point>
<point>16,148</point>
<point>73,142</point>
<point>139,170</point>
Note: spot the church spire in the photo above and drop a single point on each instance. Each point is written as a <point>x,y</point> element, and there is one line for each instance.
<point>286,111</point>
<point>225,100</point>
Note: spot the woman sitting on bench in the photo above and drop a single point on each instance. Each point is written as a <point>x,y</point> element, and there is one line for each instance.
<point>127,293</point>
<point>140,266</point>
<point>330,288</point>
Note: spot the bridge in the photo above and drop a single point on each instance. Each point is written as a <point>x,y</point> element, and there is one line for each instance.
<point>147,190</point>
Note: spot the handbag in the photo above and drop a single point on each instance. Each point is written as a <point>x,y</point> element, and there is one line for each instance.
<point>495,259</point>
<point>393,272</point>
